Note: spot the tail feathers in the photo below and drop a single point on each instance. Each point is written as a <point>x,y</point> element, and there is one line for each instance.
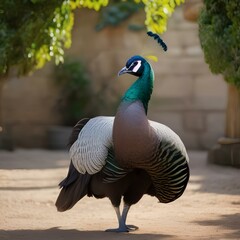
<point>74,187</point>
<point>72,176</point>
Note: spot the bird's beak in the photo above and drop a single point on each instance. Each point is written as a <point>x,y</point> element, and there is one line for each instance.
<point>123,70</point>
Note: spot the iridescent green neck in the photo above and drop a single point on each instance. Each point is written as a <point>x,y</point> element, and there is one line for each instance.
<point>142,88</point>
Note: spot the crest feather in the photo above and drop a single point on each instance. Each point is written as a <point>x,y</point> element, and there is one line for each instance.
<point>158,39</point>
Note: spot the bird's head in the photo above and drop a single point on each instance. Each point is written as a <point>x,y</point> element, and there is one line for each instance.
<point>134,66</point>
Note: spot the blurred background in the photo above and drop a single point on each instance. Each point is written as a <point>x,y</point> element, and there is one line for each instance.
<point>187,96</point>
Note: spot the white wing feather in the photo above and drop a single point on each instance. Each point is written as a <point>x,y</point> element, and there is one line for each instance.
<point>90,150</point>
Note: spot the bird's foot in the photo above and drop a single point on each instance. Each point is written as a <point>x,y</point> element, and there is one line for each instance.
<point>125,228</point>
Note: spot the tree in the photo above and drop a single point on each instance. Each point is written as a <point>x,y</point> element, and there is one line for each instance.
<point>32,32</point>
<point>35,31</point>
<point>220,40</point>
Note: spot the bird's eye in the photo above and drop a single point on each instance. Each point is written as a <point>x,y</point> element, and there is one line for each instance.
<point>135,66</point>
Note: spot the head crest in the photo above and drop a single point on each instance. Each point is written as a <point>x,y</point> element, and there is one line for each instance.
<point>158,39</point>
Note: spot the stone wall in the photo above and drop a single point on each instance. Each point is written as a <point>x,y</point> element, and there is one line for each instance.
<point>187,97</point>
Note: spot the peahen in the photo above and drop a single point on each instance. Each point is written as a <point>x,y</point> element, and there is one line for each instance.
<point>126,156</point>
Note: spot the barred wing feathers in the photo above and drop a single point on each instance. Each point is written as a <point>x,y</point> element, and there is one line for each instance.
<point>166,134</point>
<point>169,168</point>
<point>112,171</point>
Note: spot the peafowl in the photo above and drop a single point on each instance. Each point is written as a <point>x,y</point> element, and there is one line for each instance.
<point>126,156</point>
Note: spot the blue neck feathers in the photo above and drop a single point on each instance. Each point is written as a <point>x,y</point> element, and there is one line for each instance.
<point>142,88</point>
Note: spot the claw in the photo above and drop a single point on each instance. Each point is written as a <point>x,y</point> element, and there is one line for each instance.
<point>132,228</point>
<point>126,228</point>
<point>118,230</point>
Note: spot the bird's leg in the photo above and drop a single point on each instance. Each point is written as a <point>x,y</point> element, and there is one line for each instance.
<point>117,210</point>
<point>119,217</point>
<point>122,221</point>
<point>126,208</point>
<point>122,227</point>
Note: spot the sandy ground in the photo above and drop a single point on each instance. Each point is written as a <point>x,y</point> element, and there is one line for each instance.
<point>209,208</point>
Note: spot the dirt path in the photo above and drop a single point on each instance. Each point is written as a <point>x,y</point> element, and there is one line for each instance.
<point>209,209</point>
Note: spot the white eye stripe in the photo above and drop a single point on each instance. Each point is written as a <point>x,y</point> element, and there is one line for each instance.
<point>135,69</point>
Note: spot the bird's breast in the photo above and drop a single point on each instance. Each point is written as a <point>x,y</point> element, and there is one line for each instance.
<point>133,138</point>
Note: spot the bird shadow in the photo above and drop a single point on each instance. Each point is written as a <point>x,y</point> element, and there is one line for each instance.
<point>74,234</point>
